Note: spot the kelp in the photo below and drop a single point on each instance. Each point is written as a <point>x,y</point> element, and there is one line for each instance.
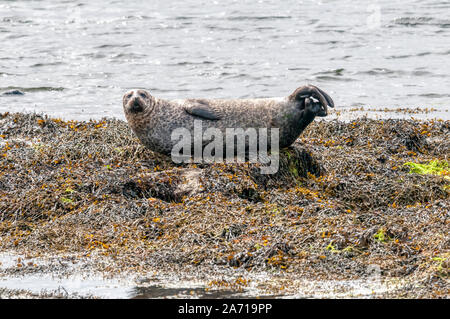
<point>341,202</point>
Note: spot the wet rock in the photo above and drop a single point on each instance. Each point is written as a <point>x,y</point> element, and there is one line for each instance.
<point>190,184</point>
<point>171,185</point>
<point>13,92</point>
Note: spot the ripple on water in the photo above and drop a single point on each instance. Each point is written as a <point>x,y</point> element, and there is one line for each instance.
<point>417,21</point>
<point>112,46</point>
<point>43,64</point>
<point>257,18</point>
<point>32,89</point>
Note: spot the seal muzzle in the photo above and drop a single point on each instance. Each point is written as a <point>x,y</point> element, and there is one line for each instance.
<point>136,105</point>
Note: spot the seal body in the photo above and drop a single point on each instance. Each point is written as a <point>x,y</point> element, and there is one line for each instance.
<point>153,120</point>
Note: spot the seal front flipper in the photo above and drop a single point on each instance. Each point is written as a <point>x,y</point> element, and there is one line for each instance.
<point>201,109</point>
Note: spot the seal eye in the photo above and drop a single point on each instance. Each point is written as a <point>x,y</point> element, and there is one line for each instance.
<point>129,95</point>
<point>142,94</point>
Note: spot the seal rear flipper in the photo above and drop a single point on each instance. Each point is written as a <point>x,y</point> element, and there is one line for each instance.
<point>201,109</point>
<point>312,92</point>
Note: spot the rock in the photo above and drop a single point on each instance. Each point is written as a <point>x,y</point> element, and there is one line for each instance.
<point>13,92</point>
<point>171,185</point>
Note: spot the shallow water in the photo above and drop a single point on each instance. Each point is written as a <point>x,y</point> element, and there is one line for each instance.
<point>75,59</point>
<point>59,277</point>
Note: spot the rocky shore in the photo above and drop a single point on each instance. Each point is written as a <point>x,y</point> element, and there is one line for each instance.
<point>343,206</point>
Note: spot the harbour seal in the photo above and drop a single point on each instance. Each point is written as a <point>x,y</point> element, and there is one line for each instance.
<point>153,120</point>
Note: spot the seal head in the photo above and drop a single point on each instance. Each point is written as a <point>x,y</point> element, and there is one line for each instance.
<point>137,101</point>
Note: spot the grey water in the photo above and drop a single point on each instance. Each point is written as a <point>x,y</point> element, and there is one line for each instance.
<point>61,277</point>
<point>75,59</point>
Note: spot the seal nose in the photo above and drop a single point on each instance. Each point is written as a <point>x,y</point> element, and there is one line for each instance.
<point>136,106</point>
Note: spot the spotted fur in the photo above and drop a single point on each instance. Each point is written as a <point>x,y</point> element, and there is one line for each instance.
<point>153,119</point>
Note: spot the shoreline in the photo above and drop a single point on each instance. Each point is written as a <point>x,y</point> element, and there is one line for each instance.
<point>342,205</point>
<point>342,113</point>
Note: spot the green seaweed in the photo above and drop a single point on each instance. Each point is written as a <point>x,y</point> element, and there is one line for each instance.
<point>381,236</point>
<point>66,200</point>
<point>332,248</point>
<point>433,168</point>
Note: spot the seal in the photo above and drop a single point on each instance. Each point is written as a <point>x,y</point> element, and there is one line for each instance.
<point>153,120</point>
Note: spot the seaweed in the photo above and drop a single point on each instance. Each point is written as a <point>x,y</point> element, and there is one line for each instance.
<point>341,201</point>
<point>433,167</point>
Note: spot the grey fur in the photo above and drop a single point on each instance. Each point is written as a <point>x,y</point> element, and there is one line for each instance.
<point>153,119</point>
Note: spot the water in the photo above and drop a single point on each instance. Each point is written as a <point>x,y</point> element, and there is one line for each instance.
<point>76,59</point>
<point>74,278</point>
